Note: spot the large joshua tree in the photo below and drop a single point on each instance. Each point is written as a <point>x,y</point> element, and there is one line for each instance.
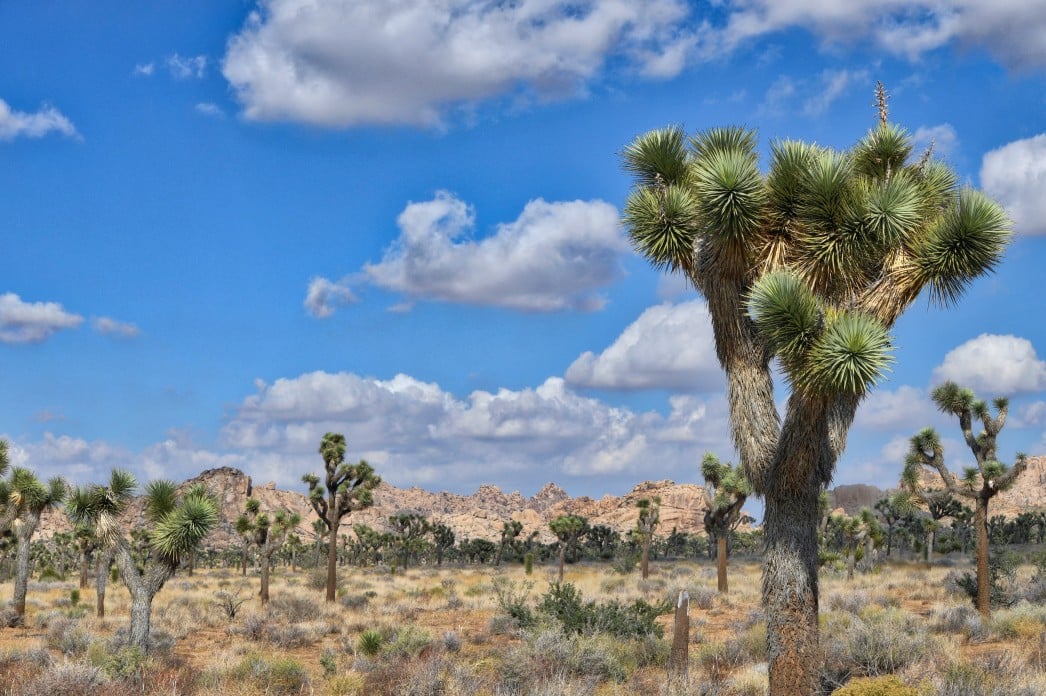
<point>176,523</point>
<point>726,490</point>
<point>347,488</point>
<point>28,497</point>
<point>812,263</point>
<point>979,484</point>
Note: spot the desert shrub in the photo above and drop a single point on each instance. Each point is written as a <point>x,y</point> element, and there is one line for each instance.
<point>9,618</point>
<point>317,579</point>
<point>700,598</point>
<point>229,603</point>
<point>512,598</point>
<point>329,663</point>
<point>1002,581</point>
<point>451,642</point>
<point>564,604</point>
<point>67,636</point>
<point>1022,622</point>
<point>346,685</point>
<point>281,676</point>
<point>886,641</point>
<point>409,641</point>
<point>888,685</point>
<point>293,609</point>
<point>66,679</point>
<point>127,662</point>
<point>1036,590</point>
<point>355,601</point>
<point>370,642</point>
<point>625,563</point>
<point>503,625</point>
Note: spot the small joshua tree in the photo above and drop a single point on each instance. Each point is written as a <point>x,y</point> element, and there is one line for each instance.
<point>726,490</point>
<point>28,497</point>
<point>442,539</point>
<point>176,524</point>
<point>267,534</point>
<point>646,524</point>
<point>568,529</point>
<point>979,484</point>
<point>509,531</point>
<point>409,530</point>
<point>348,487</point>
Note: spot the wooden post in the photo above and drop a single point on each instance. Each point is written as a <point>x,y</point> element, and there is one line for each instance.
<point>677,662</point>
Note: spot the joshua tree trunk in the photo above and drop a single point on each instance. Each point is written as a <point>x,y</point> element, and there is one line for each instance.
<point>85,568</point>
<point>929,545</point>
<point>265,556</point>
<point>24,534</point>
<point>851,561</point>
<point>790,589</point>
<point>332,554</point>
<point>721,554</point>
<point>243,559</point>
<point>644,562</point>
<point>983,586</point>
<point>562,559</point>
<point>101,578</point>
<point>869,549</point>
<point>142,587</point>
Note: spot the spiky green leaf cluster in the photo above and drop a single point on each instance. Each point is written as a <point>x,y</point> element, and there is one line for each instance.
<point>184,526</point>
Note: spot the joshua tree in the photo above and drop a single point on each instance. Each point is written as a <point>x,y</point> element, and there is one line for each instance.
<point>245,531</point>
<point>348,488</point>
<point>443,539</point>
<point>726,490</point>
<point>28,497</point>
<point>409,530</point>
<point>87,543</point>
<point>568,529</point>
<point>267,534</point>
<point>939,507</point>
<point>979,484</point>
<point>646,523</point>
<point>176,523</point>
<point>812,262</point>
<point>893,509</point>
<point>509,531</point>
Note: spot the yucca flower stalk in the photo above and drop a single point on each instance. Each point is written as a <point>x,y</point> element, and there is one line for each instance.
<point>176,523</point>
<point>810,262</point>
<point>979,484</point>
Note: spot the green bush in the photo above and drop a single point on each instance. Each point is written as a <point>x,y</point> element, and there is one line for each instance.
<point>564,604</point>
<point>513,598</point>
<point>281,676</point>
<point>886,641</point>
<point>1002,581</point>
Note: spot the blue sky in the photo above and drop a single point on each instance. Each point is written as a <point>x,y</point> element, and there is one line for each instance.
<point>229,227</point>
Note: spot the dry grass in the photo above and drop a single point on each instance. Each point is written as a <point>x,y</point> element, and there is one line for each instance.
<point>438,632</point>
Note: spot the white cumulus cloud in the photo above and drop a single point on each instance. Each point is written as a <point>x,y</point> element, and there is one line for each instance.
<point>1012,31</point>
<point>991,364</point>
<point>113,327</point>
<point>421,433</point>
<point>667,347</point>
<point>554,256</point>
<point>1015,174</point>
<point>343,63</point>
<point>895,409</point>
<point>831,85</point>
<point>324,296</point>
<point>32,322</point>
<point>942,136</point>
<point>16,124</point>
